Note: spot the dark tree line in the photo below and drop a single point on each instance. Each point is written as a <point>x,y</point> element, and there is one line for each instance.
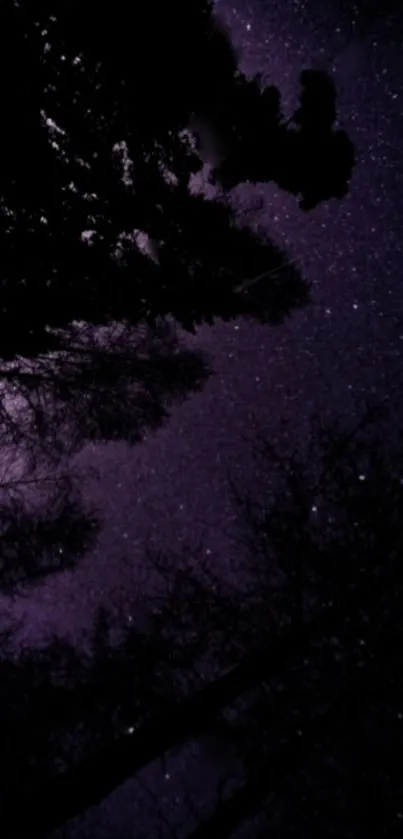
<point>300,674</point>
<point>118,385</point>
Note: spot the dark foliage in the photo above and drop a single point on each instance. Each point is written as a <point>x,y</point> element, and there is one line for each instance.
<point>96,138</point>
<point>57,705</point>
<point>42,541</point>
<point>317,724</point>
<point>311,159</point>
<point>112,385</point>
<point>77,83</point>
<point>322,740</point>
<point>115,383</point>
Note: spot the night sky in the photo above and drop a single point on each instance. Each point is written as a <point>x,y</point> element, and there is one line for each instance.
<point>342,348</point>
<point>345,347</point>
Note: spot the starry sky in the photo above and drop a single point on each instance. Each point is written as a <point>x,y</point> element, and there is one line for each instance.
<point>328,358</point>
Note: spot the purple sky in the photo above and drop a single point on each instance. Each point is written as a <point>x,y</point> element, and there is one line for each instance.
<point>346,345</point>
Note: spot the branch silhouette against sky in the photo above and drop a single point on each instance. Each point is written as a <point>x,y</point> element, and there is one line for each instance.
<point>308,672</point>
<point>45,538</point>
<point>111,155</point>
<point>118,384</point>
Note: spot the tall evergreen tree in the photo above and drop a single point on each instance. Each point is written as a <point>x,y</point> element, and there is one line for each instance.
<point>96,157</point>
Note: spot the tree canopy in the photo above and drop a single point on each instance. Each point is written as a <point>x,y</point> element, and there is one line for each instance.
<point>309,698</point>
<point>99,144</point>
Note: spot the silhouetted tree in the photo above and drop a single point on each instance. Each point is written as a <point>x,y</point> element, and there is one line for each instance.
<point>107,384</point>
<point>44,537</point>
<point>310,159</point>
<point>58,705</point>
<point>99,225</point>
<point>322,740</point>
<point>113,383</point>
<point>312,705</point>
<point>110,153</point>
